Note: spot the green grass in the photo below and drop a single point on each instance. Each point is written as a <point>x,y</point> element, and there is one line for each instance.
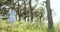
<point>21,26</point>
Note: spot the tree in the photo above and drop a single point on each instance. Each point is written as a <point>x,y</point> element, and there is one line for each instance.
<point>25,10</point>
<point>19,11</point>
<point>31,11</point>
<point>49,15</point>
<point>42,12</point>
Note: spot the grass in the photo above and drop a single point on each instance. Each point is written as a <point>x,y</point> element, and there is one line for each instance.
<point>21,26</point>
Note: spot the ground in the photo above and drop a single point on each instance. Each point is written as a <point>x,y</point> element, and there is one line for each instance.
<point>21,26</point>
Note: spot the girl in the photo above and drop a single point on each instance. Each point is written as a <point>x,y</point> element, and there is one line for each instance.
<point>12,15</point>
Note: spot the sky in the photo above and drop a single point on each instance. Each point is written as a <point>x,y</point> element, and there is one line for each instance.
<point>55,5</point>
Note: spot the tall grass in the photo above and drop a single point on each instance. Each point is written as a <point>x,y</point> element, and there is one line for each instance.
<point>21,26</point>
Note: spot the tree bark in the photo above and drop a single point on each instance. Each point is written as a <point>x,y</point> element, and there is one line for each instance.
<point>19,11</point>
<point>49,15</point>
<point>25,10</point>
<point>31,11</point>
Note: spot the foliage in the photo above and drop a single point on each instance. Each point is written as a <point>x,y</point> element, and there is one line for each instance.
<point>21,27</point>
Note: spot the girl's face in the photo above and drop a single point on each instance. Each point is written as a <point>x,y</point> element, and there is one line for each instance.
<point>11,9</point>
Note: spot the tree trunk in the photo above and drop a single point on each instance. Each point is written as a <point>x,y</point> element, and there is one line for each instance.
<point>31,11</point>
<point>25,10</point>
<point>19,11</point>
<point>49,15</point>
